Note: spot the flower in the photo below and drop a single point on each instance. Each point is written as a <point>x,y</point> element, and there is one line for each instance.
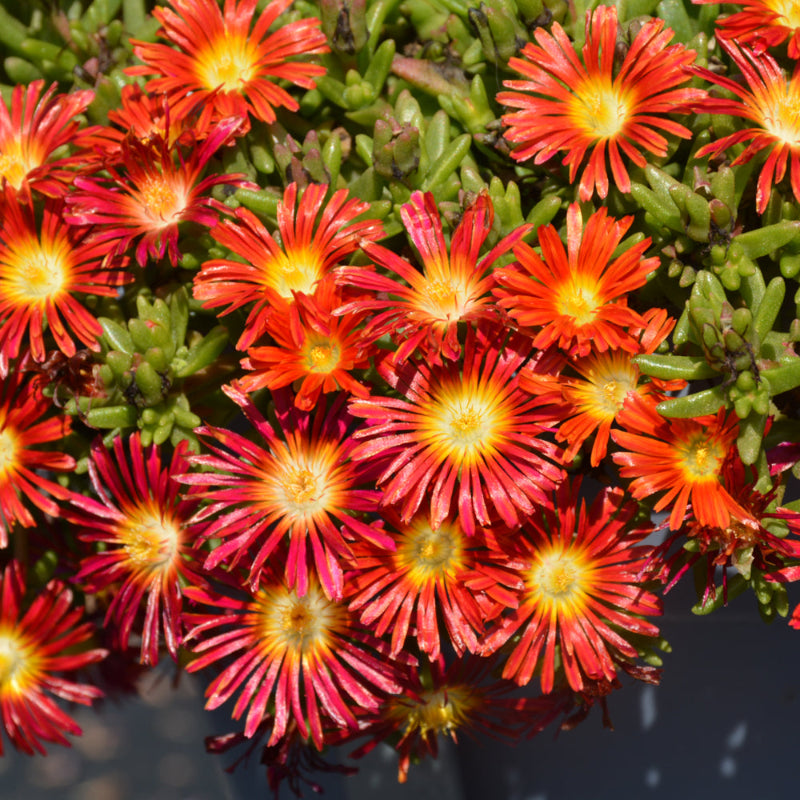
<point>41,268</point>
<point>298,484</point>
<point>155,195</point>
<point>452,287</point>
<point>312,348</point>
<point>577,297</point>
<point>430,573</point>
<point>681,457</point>
<point>142,526</point>
<point>761,24</point>
<point>588,402</point>
<point>583,590</point>
<point>227,64</point>
<point>35,646</point>
<point>771,101</point>
<point>580,106</point>
<point>269,275</point>
<point>22,406</point>
<point>466,431</point>
<point>38,126</point>
<point>304,653</point>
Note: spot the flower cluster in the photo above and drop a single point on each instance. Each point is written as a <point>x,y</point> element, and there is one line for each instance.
<point>372,415</point>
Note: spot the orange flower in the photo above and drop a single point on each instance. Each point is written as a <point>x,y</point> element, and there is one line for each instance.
<point>583,105</point>
<point>228,64</point>
<point>682,457</point>
<point>576,297</point>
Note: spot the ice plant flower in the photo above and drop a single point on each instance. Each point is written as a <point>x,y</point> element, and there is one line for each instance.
<point>22,407</point>
<point>579,105</point>
<point>37,645</point>
<point>761,24</point>
<point>583,590</point>
<point>467,433</point>
<point>465,580</point>
<point>141,524</point>
<point>586,403</point>
<point>38,126</point>
<point>576,298</point>
<point>424,306</point>
<point>42,267</point>
<point>296,486</point>
<point>160,187</point>
<point>315,237</point>
<point>772,102</point>
<point>312,349</point>
<point>228,63</point>
<point>683,458</point>
<point>306,654</point>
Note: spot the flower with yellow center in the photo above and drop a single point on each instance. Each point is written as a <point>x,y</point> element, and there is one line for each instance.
<point>141,524</point>
<point>772,101</point>
<point>296,487</point>
<point>468,435</point>
<point>227,62</point>
<point>589,108</point>
<point>575,298</point>
<point>304,654</point>
<point>683,458</point>
<point>422,307</point>
<point>39,644</point>
<point>582,592</point>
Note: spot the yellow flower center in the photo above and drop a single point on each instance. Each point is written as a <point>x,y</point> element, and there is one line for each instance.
<point>467,425</point>
<point>559,575</point>
<point>37,271</point>
<point>322,357</point>
<point>442,711</point>
<point>780,112</point>
<point>296,272</point>
<point>149,540</point>
<point>600,108</point>
<point>609,378</point>
<point>15,164</point>
<point>701,459</point>
<point>18,663</point>
<point>300,486</point>
<point>427,554</point>
<point>579,302</point>
<point>229,63</point>
<point>160,200</point>
<point>445,300</point>
<point>788,9</point>
<point>8,452</point>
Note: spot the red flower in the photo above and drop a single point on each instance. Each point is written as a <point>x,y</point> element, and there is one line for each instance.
<point>452,287</point>
<point>36,645</point>
<point>38,126</point>
<point>583,591</point>
<point>305,654</point>
<point>770,101</point>
<point>298,484</point>
<point>584,105</point>
<point>41,268</point>
<point>162,187</point>
<point>468,432</point>
<point>22,405</point>
<point>227,64</point>
<point>269,275</point>
<point>146,550</point>
<point>576,297</point>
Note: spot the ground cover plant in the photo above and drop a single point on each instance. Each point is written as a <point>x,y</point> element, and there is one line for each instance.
<point>384,362</point>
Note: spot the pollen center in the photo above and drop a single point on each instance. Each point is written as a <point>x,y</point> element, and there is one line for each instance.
<point>467,425</point>
<point>428,554</point>
<point>8,452</point>
<point>296,273</point>
<point>303,490</point>
<point>578,302</point>
<point>15,165</point>
<point>702,459</point>
<point>37,272</point>
<point>15,662</point>
<point>160,200</point>
<point>788,9</point>
<point>228,64</point>
<point>781,115</point>
<point>322,358</point>
<point>600,109</point>
<point>149,541</point>
<point>441,711</point>
<point>558,575</point>
<point>445,300</point>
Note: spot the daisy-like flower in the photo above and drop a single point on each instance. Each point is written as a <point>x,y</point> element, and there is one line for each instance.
<point>312,349</point>
<point>37,126</point>
<point>269,274</point>
<point>579,105</point>
<point>772,102</point>
<point>42,267</point>
<point>160,188</point>
<point>22,406</point>
<point>588,402</point>
<point>142,525</point>
<point>761,24</point>
<point>583,590</point>
<point>37,644</point>
<point>683,458</point>
<point>299,484</point>
<point>576,298</point>
<point>465,580</point>
<point>468,433</point>
<point>306,654</point>
<point>451,287</point>
<point>228,63</point>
